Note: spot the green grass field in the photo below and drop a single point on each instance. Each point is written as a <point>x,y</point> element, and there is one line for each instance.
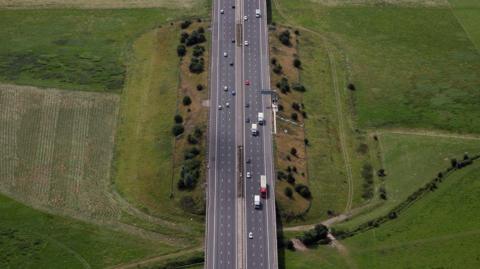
<point>445,221</point>
<point>411,161</point>
<point>412,67</point>
<point>75,49</point>
<point>31,239</point>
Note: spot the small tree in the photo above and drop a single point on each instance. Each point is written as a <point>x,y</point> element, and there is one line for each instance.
<point>283,85</point>
<point>183,37</point>
<point>199,87</point>
<point>186,100</point>
<point>201,30</point>
<point>177,129</point>
<point>181,50</point>
<point>294,116</point>
<point>293,151</point>
<point>297,63</point>
<point>178,118</point>
<point>290,179</point>
<point>351,86</point>
<point>277,69</point>
<point>288,192</point>
<point>296,106</point>
<point>185,24</point>
<point>196,65</point>
<point>192,140</point>
<point>304,191</point>
<point>273,61</point>
<point>298,87</point>
<point>453,162</point>
<point>284,37</point>
<point>198,50</point>
<point>198,132</point>
<point>306,142</point>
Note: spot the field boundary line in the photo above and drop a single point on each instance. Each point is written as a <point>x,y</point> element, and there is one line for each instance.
<point>452,9</point>
<point>341,123</point>
<point>77,255</point>
<point>431,133</point>
<point>153,259</point>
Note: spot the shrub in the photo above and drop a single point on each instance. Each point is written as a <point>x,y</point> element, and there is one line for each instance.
<point>296,106</point>
<point>178,119</point>
<point>200,87</point>
<point>294,116</point>
<point>454,162</point>
<point>281,175</point>
<point>181,50</point>
<point>277,69</point>
<point>185,24</point>
<point>283,85</point>
<point>293,151</point>
<point>280,107</point>
<point>383,193</point>
<point>288,192</point>
<point>290,179</point>
<point>177,129</point>
<point>186,100</point>
<point>198,50</point>
<point>196,65</point>
<point>192,140</point>
<point>297,63</point>
<point>304,191</point>
<point>351,87</point>
<point>183,37</point>
<point>191,153</point>
<point>304,114</point>
<point>198,132</point>
<point>298,87</point>
<point>306,142</point>
<point>195,38</point>
<point>289,245</point>
<point>273,61</point>
<point>284,37</point>
<point>201,30</point>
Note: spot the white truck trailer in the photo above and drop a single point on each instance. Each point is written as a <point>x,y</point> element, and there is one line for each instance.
<point>256,201</point>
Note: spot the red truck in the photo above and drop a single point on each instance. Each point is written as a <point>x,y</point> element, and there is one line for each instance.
<point>263,186</point>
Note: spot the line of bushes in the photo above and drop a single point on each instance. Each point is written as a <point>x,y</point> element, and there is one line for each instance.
<point>180,262</point>
<point>414,197</point>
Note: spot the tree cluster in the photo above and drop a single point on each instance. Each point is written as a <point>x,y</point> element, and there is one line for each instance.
<point>319,234</point>
<point>190,172</point>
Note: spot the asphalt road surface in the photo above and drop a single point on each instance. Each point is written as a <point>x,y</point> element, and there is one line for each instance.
<point>221,200</point>
<point>230,211</point>
<point>261,251</point>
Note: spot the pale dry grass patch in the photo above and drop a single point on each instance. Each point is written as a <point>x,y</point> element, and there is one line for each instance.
<point>96,4</point>
<point>408,3</point>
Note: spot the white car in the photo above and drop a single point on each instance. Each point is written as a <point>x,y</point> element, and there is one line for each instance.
<point>227,104</point>
<point>225,88</point>
<point>221,11</point>
<point>246,43</point>
<point>225,54</point>
<point>219,107</point>
<point>249,175</point>
<point>250,235</point>
<point>245,18</point>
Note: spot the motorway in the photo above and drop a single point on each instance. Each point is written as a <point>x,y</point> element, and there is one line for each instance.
<point>230,210</point>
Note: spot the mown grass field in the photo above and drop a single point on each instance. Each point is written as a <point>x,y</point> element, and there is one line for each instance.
<point>31,239</point>
<point>444,221</point>
<point>57,149</point>
<point>75,49</point>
